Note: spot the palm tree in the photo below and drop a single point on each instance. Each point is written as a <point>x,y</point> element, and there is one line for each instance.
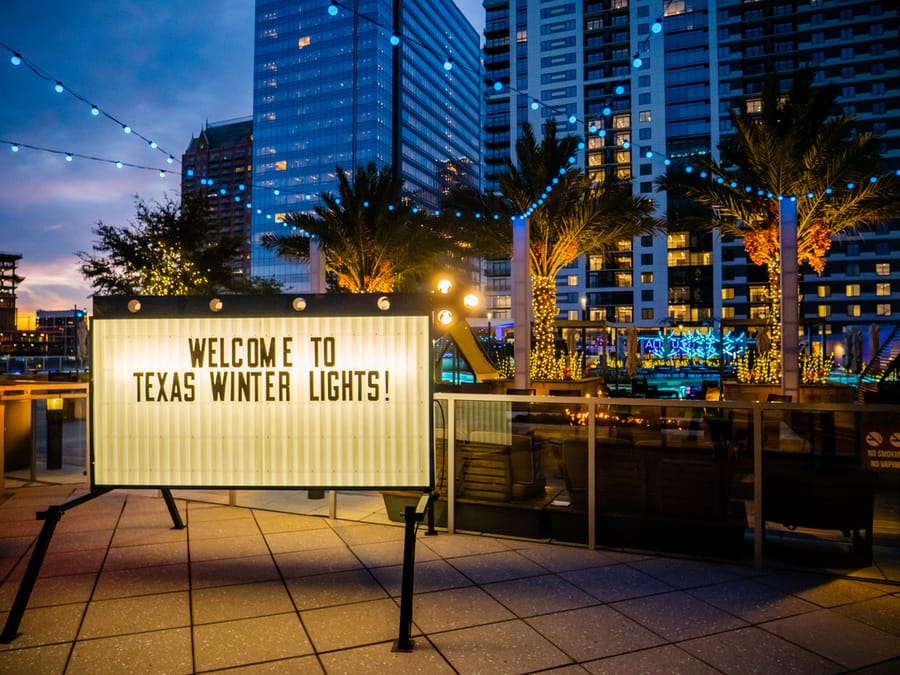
<point>373,240</point>
<point>795,146</point>
<point>573,217</point>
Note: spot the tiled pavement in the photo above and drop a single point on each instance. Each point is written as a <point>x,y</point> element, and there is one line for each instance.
<point>244,590</point>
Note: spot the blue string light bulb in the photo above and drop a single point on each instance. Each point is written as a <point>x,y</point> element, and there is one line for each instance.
<point>333,8</point>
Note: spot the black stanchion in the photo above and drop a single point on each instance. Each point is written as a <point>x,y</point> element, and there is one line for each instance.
<point>411,515</point>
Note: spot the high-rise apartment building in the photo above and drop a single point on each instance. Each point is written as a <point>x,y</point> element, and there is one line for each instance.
<point>394,82</point>
<point>650,82</point>
<point>218,164</point>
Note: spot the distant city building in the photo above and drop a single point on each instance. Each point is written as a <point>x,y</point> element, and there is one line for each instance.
<point>642,96</point>
<point>9,280</point>
<point>394,83</point>
<point>218,163</point>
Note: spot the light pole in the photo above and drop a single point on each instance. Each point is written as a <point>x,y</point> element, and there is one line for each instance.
<point>583,328</point>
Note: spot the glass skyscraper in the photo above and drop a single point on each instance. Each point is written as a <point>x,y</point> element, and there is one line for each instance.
<point>646,82</point>
<point>395,82</point>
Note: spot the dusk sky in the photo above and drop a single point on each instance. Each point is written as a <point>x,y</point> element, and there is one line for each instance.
<point>163,68</point>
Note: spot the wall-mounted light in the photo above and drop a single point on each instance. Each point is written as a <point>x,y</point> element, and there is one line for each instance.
<point>298,304</point>
<point>134,306</point>
<point>215,305</point>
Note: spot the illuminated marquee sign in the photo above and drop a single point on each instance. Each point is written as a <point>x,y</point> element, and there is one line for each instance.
<point>326,391</point>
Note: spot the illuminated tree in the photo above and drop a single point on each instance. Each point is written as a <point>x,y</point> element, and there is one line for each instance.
<point>574,217</point>
<point>373,240</point>
<point>793,146</point>
<point>170,249</point>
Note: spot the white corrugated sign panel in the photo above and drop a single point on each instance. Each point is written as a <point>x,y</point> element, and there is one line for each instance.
<point>261,402</point>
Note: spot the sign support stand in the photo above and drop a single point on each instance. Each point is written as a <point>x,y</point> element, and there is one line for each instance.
<point>51,517</point>
<point>412,515</point>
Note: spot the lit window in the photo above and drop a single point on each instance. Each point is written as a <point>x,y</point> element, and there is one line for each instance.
<point>281,165</point>
<point>883,289</point>
<point>853,310</point>
<point>522,36</point>
<point>754,105</point>
<point>728,312</point>
<point>883,309</point>
<point>572,280</point>
<point>728,294</point>
<point>644,116</point>
<point>824,310</point>
<point>303,42</point>
<point>572,315</point>
<point>621,121</point>
<point>852,290</point>
<point>646,277</point>
<point>824,291</point>
<point>757,294</point>
<point>623,314</point>
<point>883,269</point>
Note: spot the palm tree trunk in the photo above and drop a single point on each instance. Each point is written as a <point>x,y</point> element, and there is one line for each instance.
<point>543,301</point>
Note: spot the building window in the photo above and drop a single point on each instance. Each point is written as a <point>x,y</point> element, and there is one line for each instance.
<point>646,277</point>
<point>824,291</point>
<point>647,295</point>
<point>853,310</point>
<point>572,280</point>
<point>757,294</point>
<point>573,315</point>
<point>852,290</point>
<point>624,315</point>
<point>727,293</point>
<point>824,311</point>
<point>883,269</point>
<point>883,289</point>
<point>647,313</point>
<point>647,259</point>
<point>883,309</point>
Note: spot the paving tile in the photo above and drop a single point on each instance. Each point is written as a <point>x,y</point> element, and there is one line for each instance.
<point>228,547</point>
<point>681,573</point>
<point>666,659</point>
<point>882,613</point>
<point>228,571</point>
<point>164,651</point>
<point>560,558</point>
<point>141,581</point>
<point>48,660</point>
<point>339,588</point>
<point>751,650</point>
<point>826,591</point>
<point>845,641</point>
<point>248,641</point>
<point>752,601</point>
<point>228,527</point>
<point>300,665</point>
<point>240,601</point>
<point>137,535</point>
<point>137,614</point>
<point>199,512</point>
<point>889,667</point>
<point>354,534</point>
<point>455,545</point>
<point>59,590</point>
<point>382,554</point>
<point>456,608</point>
<point>270,522</point>
<point>678,615</point>
<point>593,632</point>
<point>316,561</point>
<point>63,564</point>
<point>15,547</point>
<point>429,576</point>
<point>615,582</point>
<point>488,567</point>
<point>378,659</point>
<point>352,625</point>
<point>539,595</point>
<point>499,648</point>
<point>146,555</point>
<point>45,626</point>
<point>305,540</point>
